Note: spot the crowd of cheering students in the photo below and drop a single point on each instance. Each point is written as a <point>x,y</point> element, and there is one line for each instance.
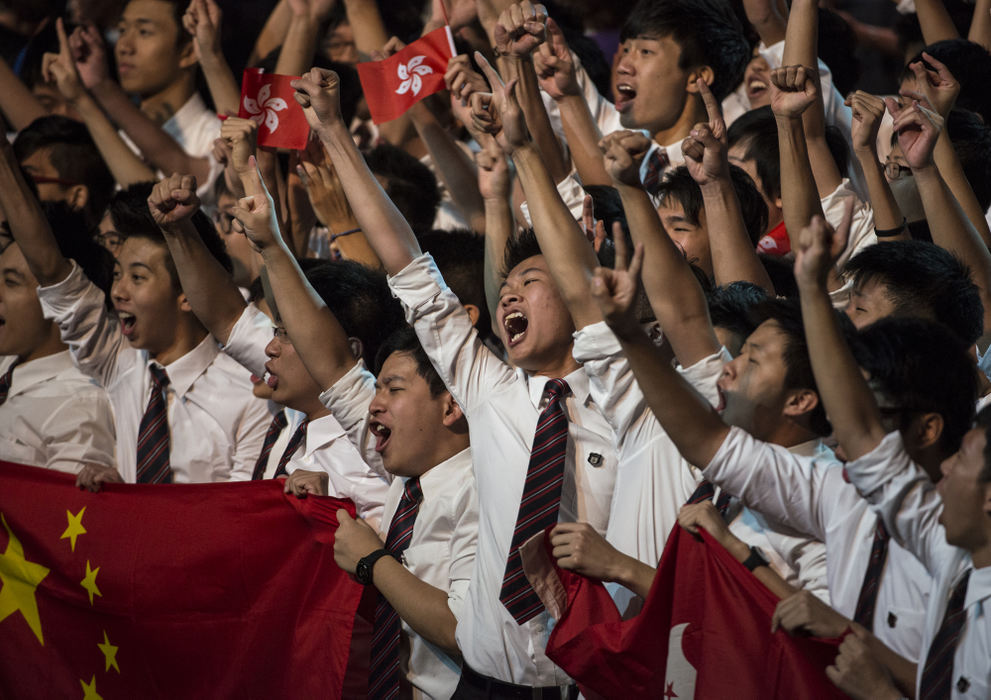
<point>726,298</point>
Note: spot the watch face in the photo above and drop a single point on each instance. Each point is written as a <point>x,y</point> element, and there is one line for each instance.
<point>361,572</point>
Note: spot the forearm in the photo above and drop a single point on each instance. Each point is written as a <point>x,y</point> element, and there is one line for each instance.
<point>422,606</point>
<point>980,27</point>
<point>582,136</point>
<point>635,575</point>
<point>271,174</point>
<point>299,47</point>
<point>766,19</point>
<point>387,231</point>
<point>733,255</point>
<point>672,290</point>
<point>901,669</point>
<point>765,574</point>
<point>316,333</point>
<point>887,214</point>
<point>224,88</point>
<point>123,163</point>
<point>798,187</point>
<point>935,21</point>
<point>19,105</point>
<point>273,33</point>
<point>212,294</point>
<point>956,180</point>
<point>367,25</point>
<point>537,121</point>
<point>498,230</point>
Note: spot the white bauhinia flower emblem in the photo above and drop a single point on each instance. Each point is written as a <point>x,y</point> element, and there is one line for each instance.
<point>410,74</point>
<point>263,109</point>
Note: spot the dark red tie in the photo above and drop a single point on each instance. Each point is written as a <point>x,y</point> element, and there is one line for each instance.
<point>657,161</point>
<point>153,432</point>
<point>937,675</point>
<point>540,501</point>
<point>383,678</point>
<point>5,384</point>
<point>864,613</point>
<point>294,442</point>
<point>705,491</point>
<point>271,435</point>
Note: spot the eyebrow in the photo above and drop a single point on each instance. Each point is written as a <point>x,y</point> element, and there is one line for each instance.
<point>139,264</point>
<point>385,381</point>
<point>521,274</point>
<point>12,271</point>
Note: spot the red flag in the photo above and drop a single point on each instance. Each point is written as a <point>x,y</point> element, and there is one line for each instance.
<point>395,84</point>
<point>267,99</point>
<point>180,591</point>
<point>704,632</point>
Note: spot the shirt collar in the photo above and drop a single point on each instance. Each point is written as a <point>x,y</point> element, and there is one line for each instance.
<point>28,374</point>
<point>810,448</point>
<point>186,116</point>
<point>979,585</point>
<point>184,371</point>
<point>320,432</point>
<point>441,476</point>
<point>577,380</point>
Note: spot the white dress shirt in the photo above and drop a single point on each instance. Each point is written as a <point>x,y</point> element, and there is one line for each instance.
<point>904,496</point>
<point>502,405</point>
<point>441,552</point>
<point>216,425</point>
<point>55,416</point>
<point>809,494</point>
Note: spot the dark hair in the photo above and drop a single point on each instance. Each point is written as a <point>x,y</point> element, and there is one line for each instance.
<point>409,183</point>
<point>787,316</point>
<point>679,184</point>
<point>75,241</point>
<point>404,340</point>
<point>757,132</point>
<point>731,306</point>
<point>782,273</point>
<point>178,10</point>
<point>707,31</point>
<point>971,139</point>
<point>132,219</point>
<point>925,281</point>
<point>73,155</point>
<point>983,420</point>
<point>360,299</point>
<point>524,245</point>
<point>460,257</point>
<point>921,367</point>
<point>970,64</point>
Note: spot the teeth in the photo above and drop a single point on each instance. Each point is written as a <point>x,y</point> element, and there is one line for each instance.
<point>625,89</point>
<point>758,85</point>
<point>512,316</point>
<point>516,337</point>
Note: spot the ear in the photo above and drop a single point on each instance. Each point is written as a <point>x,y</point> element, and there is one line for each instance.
<point>452,411</point>
<point>987,498</point>
<point>357,348</point>
<point>473,312</point>
<point>187,55</point>
<point>184,304</point>
<point>704,72</point>
<point>926,430</point>
<point>801,402</point>
<point>78,197</point>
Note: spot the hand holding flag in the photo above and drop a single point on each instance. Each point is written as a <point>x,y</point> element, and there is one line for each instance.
<point>265,100</point>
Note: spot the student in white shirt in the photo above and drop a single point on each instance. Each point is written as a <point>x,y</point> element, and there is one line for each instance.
<point>502,404</point>
<point>51,415</point>
<point>946,526</point>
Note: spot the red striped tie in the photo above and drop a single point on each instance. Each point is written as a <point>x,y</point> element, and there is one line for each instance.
<point>867,601</point>
<point>294,442</point>
<point>540,501</point>
<point>383,678</point>
<point>937,675</point>
<point>657,161</point>
<point>271,435</point>
<point>5,383</point>
<point>153,433</point>
<point>705,491</point>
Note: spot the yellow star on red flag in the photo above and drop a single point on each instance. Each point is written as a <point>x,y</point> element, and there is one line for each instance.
<point>75,527</point>
<point>109,653</point>
<point>20,579</point>
<point>89,583</point>
<point>89,689</point>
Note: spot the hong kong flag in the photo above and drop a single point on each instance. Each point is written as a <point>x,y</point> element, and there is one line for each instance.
<point>704,631</point>
<point>267,99</point>
<point>394,85</point>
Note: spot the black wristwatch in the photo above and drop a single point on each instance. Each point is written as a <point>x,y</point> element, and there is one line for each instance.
<point>363,570</point>
<point>755,559</point>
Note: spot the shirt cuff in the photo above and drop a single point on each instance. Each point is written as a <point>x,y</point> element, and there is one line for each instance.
<point>871,471</point>
<point>417,283</point>
<point>347,391</point>
<point>595,342</point>
<point>248,338</point>
<point>62,296</point>
<point>571,192</point>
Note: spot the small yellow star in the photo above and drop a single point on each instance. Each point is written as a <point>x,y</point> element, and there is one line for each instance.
<point>109,653</point>
<point>20,579</point>
<point>75,527</point>
<point>89,689</point>
<point>89,583</point>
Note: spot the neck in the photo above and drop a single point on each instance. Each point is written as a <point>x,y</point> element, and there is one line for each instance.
<point>161,106</point>
<point>788,433</point>
<point>692,113</point>
<point>49,346</point>
<point>189,333</point>
<point>558,369</point>
<point>313,410</point>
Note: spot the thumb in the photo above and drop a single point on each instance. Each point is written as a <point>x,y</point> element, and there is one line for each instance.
<point>491,74</point>
<point>252,178</point>
<point>63,40</point>
<point>343,516</point>
<point>556,36</point>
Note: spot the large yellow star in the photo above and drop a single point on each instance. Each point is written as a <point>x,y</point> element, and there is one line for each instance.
<point>109,653</point>
<point>89,689</point>
<point>75,527</point>
<point>20,579</point>
<point>89,583</point>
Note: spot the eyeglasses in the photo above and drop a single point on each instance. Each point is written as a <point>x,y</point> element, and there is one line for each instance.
<point>894,170</point>
<point>281,334</point>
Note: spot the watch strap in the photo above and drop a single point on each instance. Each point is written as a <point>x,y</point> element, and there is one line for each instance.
<point>363,571</point>
<point>755,559</point>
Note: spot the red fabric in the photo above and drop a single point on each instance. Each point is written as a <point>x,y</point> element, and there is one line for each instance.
<point>775,241</point>
<point>395,84</point>
<point>267,98</point>
<point>207,590</point>
<point>723,614</point>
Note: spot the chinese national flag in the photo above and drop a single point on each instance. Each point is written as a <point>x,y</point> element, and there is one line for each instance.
<point>704,632</point>
<point>179,591</point>
<point>267,99</point>
<point>395,84</point>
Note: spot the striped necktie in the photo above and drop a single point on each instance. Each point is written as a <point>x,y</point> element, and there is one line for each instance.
<point>867,601</point>
<point>153,432</point>
<point>657,161</point>
<point>937,675</point>
<point>540,501</point>
<point>705,491</point>
<point>271,435</point>
<point>384,677</point>
<point>5,383</point>
<point>294,442</point>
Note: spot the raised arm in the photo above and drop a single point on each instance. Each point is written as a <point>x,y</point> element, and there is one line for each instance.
<point>867,113</point>
<point>980,27</point>
<point>766,18</point>
<point>202,21</point>
<point>19,105</point>
<point>302,38</point>
<point>671,287</point>
<point>494,183</point>
<point>367,25</point>
<point>390,236</point>
<point>935,21</point>
<point>208,287</point>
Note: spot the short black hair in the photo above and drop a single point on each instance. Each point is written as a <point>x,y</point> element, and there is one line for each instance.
<point>983,420</point>
<point>179,8</point>
<point>74,156</point>
<point>360,299</point>
<point>757,132</point>
<point>925,281</point>
<point>410,184</point>
<point>921,367</point>
<point>731,306</point>
<point>782,273</point>
<point>971,139</point>
<point>524,245</point>
<point>680,185</point>
<point>970,64</point>
<point>404,340</point>
<point>460,257</point>
<point>75,241</point>
<point>132,219</point>
<point>707,31</point>
<point>787,316</point>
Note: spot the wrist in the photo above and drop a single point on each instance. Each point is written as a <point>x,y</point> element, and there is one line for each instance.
<point>717,184</point>
<point>737,547</point>
<point>332,133</point>
<point>788,121</point>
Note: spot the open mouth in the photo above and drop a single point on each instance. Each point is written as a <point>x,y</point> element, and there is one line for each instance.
<point>382,435</point>
<point>624,96</point>
<point>756,87</point>
<point>721,405</point>
<point>127,322</point>
<point>515,324</point>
